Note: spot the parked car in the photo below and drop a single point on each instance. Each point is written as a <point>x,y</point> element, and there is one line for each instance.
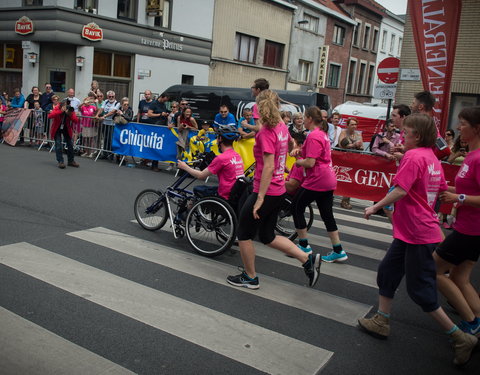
<point>206,100</point>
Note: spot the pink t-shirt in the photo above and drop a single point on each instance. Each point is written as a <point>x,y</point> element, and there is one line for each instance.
<point>296,173</point>
<point>87,111</point>
<point>228,166</point>
<point>421,176</point>
<point>271,141</point>
<point>321,176</point>
<point>255,113</point>
<point>467,182</point>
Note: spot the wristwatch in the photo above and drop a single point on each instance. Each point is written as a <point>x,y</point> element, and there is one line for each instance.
<point>461,198</point>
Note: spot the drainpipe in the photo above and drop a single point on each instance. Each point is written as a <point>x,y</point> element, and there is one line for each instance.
<point>290,47</point>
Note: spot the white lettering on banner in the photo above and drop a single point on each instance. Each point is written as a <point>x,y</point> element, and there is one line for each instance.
<point>373,178</point>
<point>141,140</point>
<point>164,43</point>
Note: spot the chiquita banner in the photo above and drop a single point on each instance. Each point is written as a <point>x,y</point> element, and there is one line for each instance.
<point>435,29</point>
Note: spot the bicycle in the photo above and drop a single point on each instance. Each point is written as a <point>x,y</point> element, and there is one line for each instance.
<point>209,223</point>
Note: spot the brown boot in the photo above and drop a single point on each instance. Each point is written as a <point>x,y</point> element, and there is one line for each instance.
<point>73,164</point>
<point>346,203</point>
<point>463,345</point>
<point>377,326</point>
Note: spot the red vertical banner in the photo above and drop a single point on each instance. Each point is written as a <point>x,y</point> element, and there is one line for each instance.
<point>435,29</point>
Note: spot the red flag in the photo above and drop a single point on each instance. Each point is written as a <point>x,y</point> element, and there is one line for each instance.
<point>435,29</point>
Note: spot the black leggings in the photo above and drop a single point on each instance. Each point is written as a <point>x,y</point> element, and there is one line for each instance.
<point>324,201</point>
<point>248,226</point>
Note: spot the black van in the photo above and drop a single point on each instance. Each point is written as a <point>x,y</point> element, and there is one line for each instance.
<point>206,100</point>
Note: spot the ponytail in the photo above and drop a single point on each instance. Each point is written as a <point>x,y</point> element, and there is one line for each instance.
<point>268,108</point>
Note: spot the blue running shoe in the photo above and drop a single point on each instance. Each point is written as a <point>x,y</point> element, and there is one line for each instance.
<point>473,329</point>
<point>332,257</point>
<point>307,250</point>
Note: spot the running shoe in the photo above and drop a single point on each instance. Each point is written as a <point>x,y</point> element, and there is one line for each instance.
<point>312,269</point>
<point>332,257</point>
<point>473,329</point>
<point>243,280</point>
<point>307,250</point>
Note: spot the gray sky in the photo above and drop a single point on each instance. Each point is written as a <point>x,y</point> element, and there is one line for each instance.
<point>394,6</point>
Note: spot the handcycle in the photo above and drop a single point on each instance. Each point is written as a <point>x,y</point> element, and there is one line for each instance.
<point>209,223</point>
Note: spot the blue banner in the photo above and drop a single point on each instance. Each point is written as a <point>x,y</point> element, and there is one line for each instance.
<point>152,142</point>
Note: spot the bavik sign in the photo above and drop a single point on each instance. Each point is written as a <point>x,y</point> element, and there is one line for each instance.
<point>24,26</point>
<point>92,32</point>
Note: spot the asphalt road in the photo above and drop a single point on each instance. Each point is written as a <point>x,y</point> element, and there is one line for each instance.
<point>84,289</point>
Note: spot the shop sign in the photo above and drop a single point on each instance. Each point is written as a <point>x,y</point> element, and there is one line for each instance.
<point>24,26</point>
<point>322,67</point>
<point>163,43</point>
<point>92,32</point>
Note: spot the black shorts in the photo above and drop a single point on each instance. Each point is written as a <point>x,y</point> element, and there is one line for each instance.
<point>458,247</point>
<point>265,226</point>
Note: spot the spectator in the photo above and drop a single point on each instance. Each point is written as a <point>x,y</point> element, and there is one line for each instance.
<point>286,117</point>
<point>450,138</point>
<point>74,102</point>
<point>5,99</point>
<point>352,140</point>
<point>144,106</point>
<point>110,108</point>
<point>94,88</point>
<point>46,97</point>
<point>63,117</point>
<point>38,124</point>
<point>297,125</point>
<point>247,119</point>
<point>55,102</point>
<point>125,110</point>
<point>185,123</point>
<point>224,117</point>
<point>172,115</point>
<point>88,111</point>
<point>3,112</point>
<point>18,99</point>
<point>334,129</point>
<point>399,113</point>
<point>385,141</point>
<point>459,152</point>
<point>259,85</point>
<point>158,115</point>
<point>31,98</point>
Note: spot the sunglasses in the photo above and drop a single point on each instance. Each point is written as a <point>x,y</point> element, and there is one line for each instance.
<point>449,134</point>
<point>111,96</point>
<point>223,111</point>
<point>174,106</point>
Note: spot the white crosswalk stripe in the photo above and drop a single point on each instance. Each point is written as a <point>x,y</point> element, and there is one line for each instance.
<point>247,343</point>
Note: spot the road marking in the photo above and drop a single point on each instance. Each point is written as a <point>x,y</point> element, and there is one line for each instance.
<point>361,220</point>
<point>27,348</point>
<point>314,301</point>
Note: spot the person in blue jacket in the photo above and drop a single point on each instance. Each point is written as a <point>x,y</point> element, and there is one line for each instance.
<point>224,117</point>
<point>17,100</point>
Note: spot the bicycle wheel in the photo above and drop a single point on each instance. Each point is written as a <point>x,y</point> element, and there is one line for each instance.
<point>151,209</point>
<point>285,225</point>
<point>211,226</point>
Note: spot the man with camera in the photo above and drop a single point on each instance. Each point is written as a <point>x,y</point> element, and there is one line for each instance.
<point>63,117</point>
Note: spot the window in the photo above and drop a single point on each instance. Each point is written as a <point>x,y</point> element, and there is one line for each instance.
<point>273,55</point>
<point>366,37</point>
<point>351,76</point>
<point>356,31</point>
<point>334,75</point>
<point>399,50</point>
<point>187,79</point>
<point>371,75</point>
<point>361,78</point>
<point>304,71</point>
<point>127,9</point>
<point>29,3</point>
<point>245,48</point>
<point>90,6</point>
<point>384,40</point>
<point>310,24</point>
<point>112,64</point>
<point>58,80</point>
<point>164,19</point>
<point>11,56</point>
<point>375,39</point>
<point>392,44</point>
<point>338,35</point>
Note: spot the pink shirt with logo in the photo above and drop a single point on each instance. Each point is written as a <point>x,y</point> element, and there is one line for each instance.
<point>271,141</point>
<point>321,176</point>
<point>467,182</point>
<point>228,166</point>
<point>421,176</point>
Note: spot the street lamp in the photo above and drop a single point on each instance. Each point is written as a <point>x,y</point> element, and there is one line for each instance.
<point>80,60</point>
<point>32,57</point>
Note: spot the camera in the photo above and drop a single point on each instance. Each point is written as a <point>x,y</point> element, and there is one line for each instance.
<point>68,106</point>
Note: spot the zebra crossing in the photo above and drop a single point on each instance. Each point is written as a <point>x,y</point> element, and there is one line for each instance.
<point>260,346</point>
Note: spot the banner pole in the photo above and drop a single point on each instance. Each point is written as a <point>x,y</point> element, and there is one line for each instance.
<point>389,106</point>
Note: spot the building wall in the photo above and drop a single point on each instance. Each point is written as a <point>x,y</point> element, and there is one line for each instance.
<point>338,55</point>
<point>265,20</point>
<point>198,20</point>
<point>465,88</point>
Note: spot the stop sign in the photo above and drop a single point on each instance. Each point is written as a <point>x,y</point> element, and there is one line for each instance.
<point>388,70</point>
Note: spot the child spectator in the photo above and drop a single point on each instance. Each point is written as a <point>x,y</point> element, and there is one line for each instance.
<point>38,124</point>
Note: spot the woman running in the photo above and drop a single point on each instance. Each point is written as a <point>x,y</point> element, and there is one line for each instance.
<point>260,211</point>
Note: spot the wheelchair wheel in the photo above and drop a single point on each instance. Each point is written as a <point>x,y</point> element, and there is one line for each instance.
<point>211,226</point>
<point>151,209</point>
<point>285,225</point>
